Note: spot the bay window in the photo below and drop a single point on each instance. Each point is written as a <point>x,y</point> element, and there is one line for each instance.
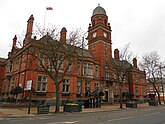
<point>87,69</point>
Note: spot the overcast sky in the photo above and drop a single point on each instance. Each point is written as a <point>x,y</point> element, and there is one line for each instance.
<point>138,22</point>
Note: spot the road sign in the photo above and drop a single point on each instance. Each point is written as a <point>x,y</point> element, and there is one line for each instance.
<point>29,85</point>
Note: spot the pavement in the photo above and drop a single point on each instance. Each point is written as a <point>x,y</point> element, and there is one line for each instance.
<point>15,112</point>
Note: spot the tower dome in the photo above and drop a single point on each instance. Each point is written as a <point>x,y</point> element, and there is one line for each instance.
<point>99,10</point>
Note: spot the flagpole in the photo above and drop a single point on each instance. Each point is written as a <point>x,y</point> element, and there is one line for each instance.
<point>44,18</point>
<point>47,8</point>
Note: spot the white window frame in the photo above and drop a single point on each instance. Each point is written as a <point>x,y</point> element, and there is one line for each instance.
<point>79,89</point>
<point>107,72</point>
<point>87,69</point>
<point>96,86</point>
<point>87,86</point>
<point>66,86</point>
<point>41,83</point>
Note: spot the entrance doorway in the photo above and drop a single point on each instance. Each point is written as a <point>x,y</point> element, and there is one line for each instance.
<point>106,96</point>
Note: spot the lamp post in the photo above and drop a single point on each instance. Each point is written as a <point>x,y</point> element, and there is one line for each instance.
<point>82,61</point>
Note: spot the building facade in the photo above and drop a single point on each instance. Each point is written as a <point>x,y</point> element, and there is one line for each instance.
<point>160,85</point>
<point>2,72</point>
<point>97,68</point>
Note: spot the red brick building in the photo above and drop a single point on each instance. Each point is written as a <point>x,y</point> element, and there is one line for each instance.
<point>2,72</point>
<point>160,85</point>
<point>97,67</point>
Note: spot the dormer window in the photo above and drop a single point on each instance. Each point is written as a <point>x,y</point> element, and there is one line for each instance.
<point>94,34</point>
<point>41,61</point>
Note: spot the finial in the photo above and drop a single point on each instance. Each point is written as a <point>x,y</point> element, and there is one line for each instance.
<point>98,4</point>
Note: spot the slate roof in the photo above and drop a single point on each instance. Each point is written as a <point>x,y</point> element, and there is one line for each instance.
<point>2,59</point>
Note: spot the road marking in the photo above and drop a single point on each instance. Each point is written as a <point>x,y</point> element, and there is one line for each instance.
<point>151,114</point>
<point>64,122</point>
<point>42,118</point>
<point>124,118</point>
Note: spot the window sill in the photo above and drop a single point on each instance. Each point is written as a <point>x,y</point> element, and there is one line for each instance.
<point>79,95</point>
<point>41,92</point>
<point>65,94</point>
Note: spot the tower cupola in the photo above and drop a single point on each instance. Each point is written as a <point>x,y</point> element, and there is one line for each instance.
<point>99,10</point>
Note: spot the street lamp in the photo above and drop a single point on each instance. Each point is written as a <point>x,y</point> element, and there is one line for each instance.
<point>82,57</point>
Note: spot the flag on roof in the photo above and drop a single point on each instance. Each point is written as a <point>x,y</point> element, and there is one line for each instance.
<point>49,8</point>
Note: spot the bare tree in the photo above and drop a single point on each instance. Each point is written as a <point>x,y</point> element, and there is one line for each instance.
<point>151,64</point>
<point>121,68</point>
<point>55,55</point>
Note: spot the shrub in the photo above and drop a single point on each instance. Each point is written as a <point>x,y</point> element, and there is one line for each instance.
<point>101,93</point>
<point>8,99</point>
<point>16,90</point>
<point>12,99</point>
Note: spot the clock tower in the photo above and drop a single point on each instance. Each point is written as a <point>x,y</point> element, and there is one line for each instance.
<point>99,40</point>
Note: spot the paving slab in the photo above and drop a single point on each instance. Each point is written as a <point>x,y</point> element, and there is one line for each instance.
<point>23,111</point>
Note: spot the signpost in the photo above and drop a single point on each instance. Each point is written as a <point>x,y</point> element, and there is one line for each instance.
<point>29,88</point>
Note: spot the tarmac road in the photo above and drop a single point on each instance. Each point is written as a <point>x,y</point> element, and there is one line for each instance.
<point>149,115</point>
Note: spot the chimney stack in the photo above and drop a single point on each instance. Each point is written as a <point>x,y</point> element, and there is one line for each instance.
<point>135,62</point>
<point>14,41</point>
<point>29,26</point>
<point>29,30</point>
<point>63,34</point>
<point>116,54</point>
